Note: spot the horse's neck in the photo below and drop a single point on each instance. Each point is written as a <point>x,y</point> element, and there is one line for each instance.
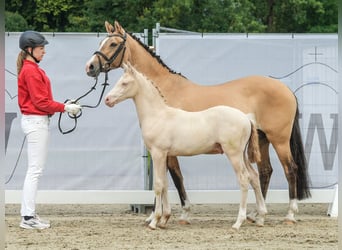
<point>145,63</point>
<point>148,101</point>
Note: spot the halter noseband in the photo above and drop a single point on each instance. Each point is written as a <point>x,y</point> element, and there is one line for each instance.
<point>111,59</point>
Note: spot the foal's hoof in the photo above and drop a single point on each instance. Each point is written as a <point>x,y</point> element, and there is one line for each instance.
<point>184,222</point>
<point>233,230</point>
<point>252,217</point>
<point>151,227</point>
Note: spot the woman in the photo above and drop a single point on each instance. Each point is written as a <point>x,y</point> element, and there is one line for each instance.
<point>37,106</point>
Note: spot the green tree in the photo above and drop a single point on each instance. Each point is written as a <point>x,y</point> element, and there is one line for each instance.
<point>26,10</point>
<point>15,22</point>
<point>299,16</point>
<point>192,15</point>
<point>204,15</point>
<point>125,11</point>
<point>46,15</point>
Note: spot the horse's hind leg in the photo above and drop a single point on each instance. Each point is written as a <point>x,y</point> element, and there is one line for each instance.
<point>177,177</point>
<point>242,175</point>
<point>265,170</point>
<point>260,202</point>
<point>264,166</point>
<point>290,169</point>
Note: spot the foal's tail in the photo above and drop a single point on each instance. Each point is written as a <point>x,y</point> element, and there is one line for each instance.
<point>298,155</point>
<point>253,145</point>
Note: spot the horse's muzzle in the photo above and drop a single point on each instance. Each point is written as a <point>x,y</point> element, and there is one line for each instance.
<point>109,103</point>
<point>92,70</point>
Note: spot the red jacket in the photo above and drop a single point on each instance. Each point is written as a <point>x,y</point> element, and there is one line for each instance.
<point>34,91</point>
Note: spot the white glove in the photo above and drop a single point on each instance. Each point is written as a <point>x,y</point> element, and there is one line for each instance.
<point>72,108</point>
<point>71,101</point>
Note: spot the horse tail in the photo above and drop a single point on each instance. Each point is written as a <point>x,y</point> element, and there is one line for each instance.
<point>299,160</point>
<point>253,145</point>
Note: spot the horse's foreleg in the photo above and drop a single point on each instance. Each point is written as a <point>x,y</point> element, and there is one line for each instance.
<point>177,177</point>
<point>150,218</point>
<point>166,206</point>
<point>159,180</point>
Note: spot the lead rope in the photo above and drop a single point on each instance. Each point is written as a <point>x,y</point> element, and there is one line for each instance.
<point>75,117</point>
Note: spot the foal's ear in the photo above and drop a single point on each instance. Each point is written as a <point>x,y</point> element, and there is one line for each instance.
<point>118,28</point>
<point>110,29</point>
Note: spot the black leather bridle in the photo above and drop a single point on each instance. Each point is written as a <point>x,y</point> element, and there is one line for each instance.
<point>110,60</point>
<point>104,68</point>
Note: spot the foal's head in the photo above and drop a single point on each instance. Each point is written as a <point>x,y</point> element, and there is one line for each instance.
<point>126,87</point>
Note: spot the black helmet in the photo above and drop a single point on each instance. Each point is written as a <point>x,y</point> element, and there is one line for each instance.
<point>31,39</point>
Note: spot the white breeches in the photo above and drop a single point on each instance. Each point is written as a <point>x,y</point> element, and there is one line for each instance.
<point>36,129</point>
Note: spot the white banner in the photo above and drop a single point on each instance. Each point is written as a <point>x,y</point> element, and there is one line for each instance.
<point>306,63</point>
<point>105,152</point>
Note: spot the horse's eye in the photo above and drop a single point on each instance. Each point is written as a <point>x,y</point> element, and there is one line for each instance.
<point>113,44</point>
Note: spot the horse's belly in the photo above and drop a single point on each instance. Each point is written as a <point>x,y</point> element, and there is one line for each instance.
<point>187,149</point>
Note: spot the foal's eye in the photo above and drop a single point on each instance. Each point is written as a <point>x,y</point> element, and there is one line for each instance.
<point>113,44</point>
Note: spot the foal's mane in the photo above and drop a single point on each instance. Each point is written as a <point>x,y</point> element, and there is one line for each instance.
<point>151,82</point>
<point>160,61</point>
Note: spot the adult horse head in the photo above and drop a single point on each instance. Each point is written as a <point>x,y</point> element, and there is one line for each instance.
<point>111,53</point>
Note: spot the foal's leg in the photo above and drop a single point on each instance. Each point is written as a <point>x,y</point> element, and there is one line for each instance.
<point>177,177</point>
<point>260,202</point>
<point>166,206</point>
<point>159,176</point>
<point>236,158</point>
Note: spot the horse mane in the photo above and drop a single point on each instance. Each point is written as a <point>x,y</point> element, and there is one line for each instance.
<point>151,82</point>
<point>153,54</point>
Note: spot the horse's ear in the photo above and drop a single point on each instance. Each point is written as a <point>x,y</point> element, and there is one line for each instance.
<point>118,28</point>
<point>110,29</point>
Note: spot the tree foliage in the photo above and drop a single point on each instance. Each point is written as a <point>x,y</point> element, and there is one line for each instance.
<point>297,16</point>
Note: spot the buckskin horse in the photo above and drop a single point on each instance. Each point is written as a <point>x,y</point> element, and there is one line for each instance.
<point>273,105</point>
<point>169,131</point>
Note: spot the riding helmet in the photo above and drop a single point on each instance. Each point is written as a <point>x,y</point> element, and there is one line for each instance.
<point>31,39</point>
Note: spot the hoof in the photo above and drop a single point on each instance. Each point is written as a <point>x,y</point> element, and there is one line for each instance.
<point>260,221</point>
<point>233,230</point>
<point>184,222</point>
<point>289,222</point>
<point>150,227</point>
<point>162,226</point>
<point>250,220</point>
